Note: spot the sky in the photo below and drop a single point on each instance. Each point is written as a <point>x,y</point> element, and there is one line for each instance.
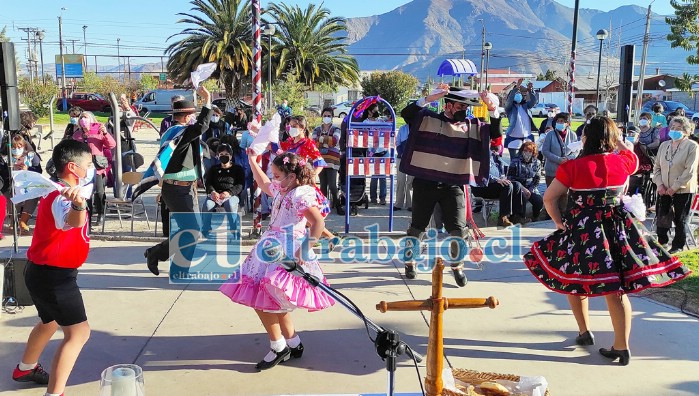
<point>143,27</point>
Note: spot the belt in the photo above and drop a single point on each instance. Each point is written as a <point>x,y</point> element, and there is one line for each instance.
<point>178,182</point>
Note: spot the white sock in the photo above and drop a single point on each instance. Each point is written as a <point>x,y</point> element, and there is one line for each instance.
<point>294,341</point>
<point>276,346</point>
<point>25,367</point>
<point>52,394</point>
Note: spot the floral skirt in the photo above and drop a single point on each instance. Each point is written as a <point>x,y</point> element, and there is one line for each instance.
<point>602,250</point>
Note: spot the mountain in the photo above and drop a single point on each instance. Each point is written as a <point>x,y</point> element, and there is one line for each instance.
<point>527,36</point>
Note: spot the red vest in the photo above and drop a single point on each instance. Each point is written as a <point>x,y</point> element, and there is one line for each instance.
<point>54,247</point>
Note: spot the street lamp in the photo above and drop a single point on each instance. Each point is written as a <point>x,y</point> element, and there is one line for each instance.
<point>63,61</point>
<point>269,31</point>
<point>85,46</point>
<point>601,36</point>
<point>40,36</point>
<point>488,46</point>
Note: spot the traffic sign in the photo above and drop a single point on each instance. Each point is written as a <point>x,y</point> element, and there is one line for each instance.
<point>163,76</point>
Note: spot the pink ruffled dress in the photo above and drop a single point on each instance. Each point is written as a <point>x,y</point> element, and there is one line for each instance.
<point>266,285</point>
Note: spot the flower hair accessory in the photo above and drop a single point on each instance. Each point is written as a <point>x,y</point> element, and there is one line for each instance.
<point>286,160</point>
<point>302,162</point>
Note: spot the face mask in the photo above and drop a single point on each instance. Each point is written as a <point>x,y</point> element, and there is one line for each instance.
<point>631,138</point>
<point>284,106</point>
<point>89,176</point>
<point>74,120</point>
<point>643,122</point>
<point>288,184</point>
<point>17,152</point>
<point>84,122</point>
<point>527,156</point>
<point>459,116</point>
<point>192,120</point>
<point>293,132</point>
<point>518,97</point>
<point>327,120</point>
<point>675,135</point>
<point>551,115</point>
<point>224,159</point>
<point>215,119</point>
<point>560,127</point>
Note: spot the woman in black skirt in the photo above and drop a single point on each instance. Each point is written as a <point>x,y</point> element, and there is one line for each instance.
<point>599,247</point>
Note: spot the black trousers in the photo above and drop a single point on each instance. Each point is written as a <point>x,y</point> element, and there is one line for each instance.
<point>178,199</point>
<point>96,204</point>
<point>451,199</point>
<point>537,202</point>
<point>511,196</point>
<point>680,204</point>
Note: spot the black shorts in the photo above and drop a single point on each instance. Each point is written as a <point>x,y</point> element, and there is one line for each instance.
<point>55,294</point>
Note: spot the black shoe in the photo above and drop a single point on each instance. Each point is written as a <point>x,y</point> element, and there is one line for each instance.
<point>410,209</point>
<point>396,208</point>
<point>410,272</point>
<point>37,375</point>
<point>152,261</point>
<point>296,352</point>
<point>586,338</point>
<point>675,250</point>
<point>282,356</point>
<point>459,276</point>
<point>623,355</point>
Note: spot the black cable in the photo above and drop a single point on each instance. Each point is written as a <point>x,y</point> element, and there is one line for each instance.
<point>417,369</point>
<point>359,311</point>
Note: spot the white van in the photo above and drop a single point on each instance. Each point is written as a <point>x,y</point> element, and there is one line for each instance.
<point>159,99</point>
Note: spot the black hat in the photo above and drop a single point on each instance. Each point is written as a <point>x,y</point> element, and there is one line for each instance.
<point>183,107</point>
<point>467,96</point>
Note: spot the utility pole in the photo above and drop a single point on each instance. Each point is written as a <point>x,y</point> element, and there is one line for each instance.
<point>571,82</point>
<point>73,42</point>
<point>40,35</point>
<point>63,61</point>
<point>642,76</point>
<point>480,78</point>
<point>119,60</point>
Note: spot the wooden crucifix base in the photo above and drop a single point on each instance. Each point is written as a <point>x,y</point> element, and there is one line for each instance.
<point>436,304</point>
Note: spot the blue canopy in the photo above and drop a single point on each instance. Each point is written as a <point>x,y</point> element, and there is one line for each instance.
<point>457,67</point>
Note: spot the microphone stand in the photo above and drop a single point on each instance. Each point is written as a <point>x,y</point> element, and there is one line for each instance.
<point>388,344</point>
<point>15,223</point>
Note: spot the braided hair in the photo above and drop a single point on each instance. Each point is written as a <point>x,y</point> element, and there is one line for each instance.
<point>290,163</point>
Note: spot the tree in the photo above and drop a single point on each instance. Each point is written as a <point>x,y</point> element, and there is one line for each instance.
<point>291,89</point>
<point>148,83</point>
<point>3,35</point>
<point>311,44</point>
<point>220,32</point>
<point>684,29</point>
<point>550,75</point>
<point>395,87</point>
<point>36,95</point>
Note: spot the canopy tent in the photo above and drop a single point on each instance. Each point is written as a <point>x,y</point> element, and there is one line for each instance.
<point>457,67</point>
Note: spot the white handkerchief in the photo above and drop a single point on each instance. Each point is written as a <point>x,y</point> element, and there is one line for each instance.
<point>269,133</point>
<point>203,72</point>
<point>29,185</point>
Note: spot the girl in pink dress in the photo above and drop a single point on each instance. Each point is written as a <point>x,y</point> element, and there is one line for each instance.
<point>264,285</point>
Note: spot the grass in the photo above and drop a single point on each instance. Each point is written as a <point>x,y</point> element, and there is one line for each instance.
<point>690,258</point>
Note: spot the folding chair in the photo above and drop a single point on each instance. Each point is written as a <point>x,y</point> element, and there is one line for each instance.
<point>129,179</point>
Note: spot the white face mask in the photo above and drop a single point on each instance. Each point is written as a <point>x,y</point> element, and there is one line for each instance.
<point>17,152</point>
<point>294,132</point>
<point>89,176</point>
<point>215,118</point>
<point>327,120</point>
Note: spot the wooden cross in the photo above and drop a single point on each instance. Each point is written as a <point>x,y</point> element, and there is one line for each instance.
<point>436,304</point>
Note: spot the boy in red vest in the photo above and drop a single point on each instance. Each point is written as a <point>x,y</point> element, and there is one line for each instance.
<point>59,247</point>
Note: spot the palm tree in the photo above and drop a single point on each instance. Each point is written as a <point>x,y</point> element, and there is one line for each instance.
<point>221,32</point>
<point>309,44</point>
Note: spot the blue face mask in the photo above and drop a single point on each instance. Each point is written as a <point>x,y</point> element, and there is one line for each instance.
<point>518,97</point>
<point>74,120</point>
<point>560,126</point>
<point>675,135</point>
<point>643,122</point>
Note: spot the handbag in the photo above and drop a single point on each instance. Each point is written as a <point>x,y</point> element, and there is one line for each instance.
<point>100,161</point>
<point>666,214</point>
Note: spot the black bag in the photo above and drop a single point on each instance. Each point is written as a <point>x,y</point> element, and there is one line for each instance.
<point>666,214</point>
<point>100,161</point>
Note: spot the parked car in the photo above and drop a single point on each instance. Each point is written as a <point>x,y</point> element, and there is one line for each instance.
<point>342,109</point>
<point>87,101</point>
<point>668,107</point>
<point>315,110</point>
<point>543,109</point>
<point>159,100</point>
<point>222,104</point>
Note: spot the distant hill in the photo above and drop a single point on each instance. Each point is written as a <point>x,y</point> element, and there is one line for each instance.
<point>527,36</point>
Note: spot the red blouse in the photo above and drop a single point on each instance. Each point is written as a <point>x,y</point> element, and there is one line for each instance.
<point>598,171</point>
